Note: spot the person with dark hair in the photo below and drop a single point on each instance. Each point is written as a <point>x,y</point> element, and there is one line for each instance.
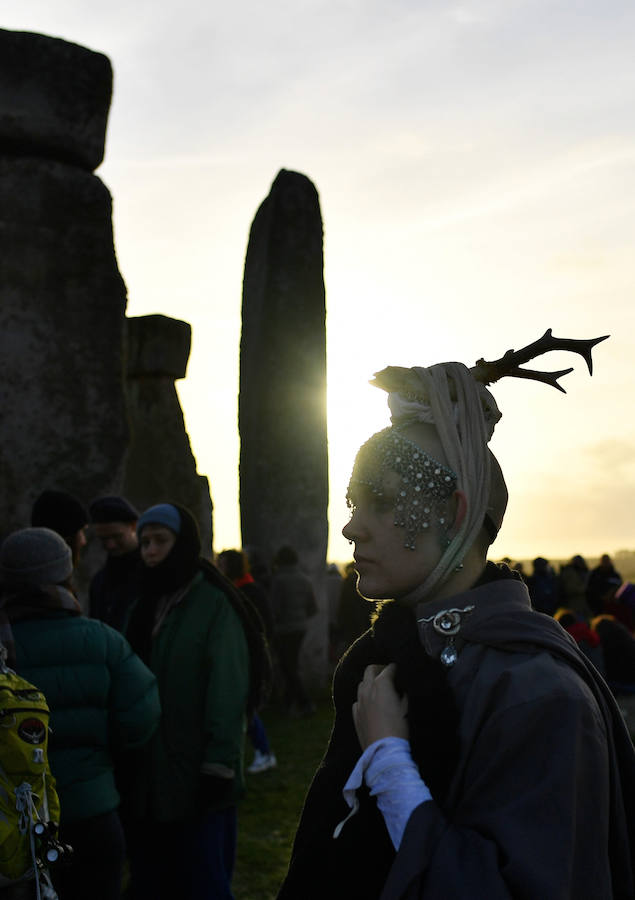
<point>103,702</point>
<point>475,752</point>
<point>64,513</point>
<point>235,566</point>
<point>258,566</point>
<point>572,586</point>
<point>115,587</point>
<point>186,627</point>
<point>542,585</point>
<point>604,580</point>
<point>292,603</point>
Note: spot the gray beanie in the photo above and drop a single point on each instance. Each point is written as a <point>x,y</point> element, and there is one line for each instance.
<point>35,556</point>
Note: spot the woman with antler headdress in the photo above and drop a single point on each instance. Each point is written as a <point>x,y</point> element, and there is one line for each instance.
<point>475,753</point>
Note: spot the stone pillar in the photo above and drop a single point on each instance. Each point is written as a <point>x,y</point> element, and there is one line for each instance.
<point>62,299</point>
<point>160,465</point>
<point>282,407</point>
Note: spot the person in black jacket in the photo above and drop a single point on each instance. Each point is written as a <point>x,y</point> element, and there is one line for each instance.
<point>293,604</point>
<point>115,587</point>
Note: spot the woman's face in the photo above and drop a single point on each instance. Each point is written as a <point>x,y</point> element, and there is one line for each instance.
<point>385,567</point>
<point>155,542</point>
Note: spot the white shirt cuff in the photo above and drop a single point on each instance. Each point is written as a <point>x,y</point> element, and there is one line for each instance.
<point>392,776</point>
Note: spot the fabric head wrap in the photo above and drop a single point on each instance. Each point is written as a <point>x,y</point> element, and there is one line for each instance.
<point>464,414</point>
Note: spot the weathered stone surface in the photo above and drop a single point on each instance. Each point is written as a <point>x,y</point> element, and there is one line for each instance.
<point>158,345</point>
<point>282,409</point>
<point>54,99</point>
<point>63,395</point>
<point>160,466</point>
<point>62,304</point>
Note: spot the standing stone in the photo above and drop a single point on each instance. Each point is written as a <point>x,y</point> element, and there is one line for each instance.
<point>160,466</point>
<point>282,407</point>
<point>64,402</point>
<point>62,299</point>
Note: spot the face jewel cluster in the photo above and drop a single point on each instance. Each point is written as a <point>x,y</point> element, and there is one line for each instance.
<point>424,484</point>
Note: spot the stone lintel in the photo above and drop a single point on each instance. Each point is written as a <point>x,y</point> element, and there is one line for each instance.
<point>54,99</point>
<point>158,345</point>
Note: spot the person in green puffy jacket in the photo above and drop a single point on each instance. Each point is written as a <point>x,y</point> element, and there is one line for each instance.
<point>186,627</point>
<point>103,701</point>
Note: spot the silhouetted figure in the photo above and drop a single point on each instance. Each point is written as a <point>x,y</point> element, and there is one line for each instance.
<point>293,604</point>
<point>622,605</point>
<point>542,585</point>
<point>603,581</point>
<point>572,585</point>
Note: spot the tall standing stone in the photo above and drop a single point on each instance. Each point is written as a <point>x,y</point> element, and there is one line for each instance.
<point>65,400</point>
<point>160,465</point>
<point>62,299</point>
<point>282,407</point>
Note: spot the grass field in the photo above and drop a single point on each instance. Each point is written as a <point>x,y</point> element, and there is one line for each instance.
<point>268,814</point>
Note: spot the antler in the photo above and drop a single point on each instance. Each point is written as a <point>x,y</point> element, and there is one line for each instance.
<point>488,372</point>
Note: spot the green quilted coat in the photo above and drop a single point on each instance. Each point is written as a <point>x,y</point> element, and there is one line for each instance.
<point>103,701</point>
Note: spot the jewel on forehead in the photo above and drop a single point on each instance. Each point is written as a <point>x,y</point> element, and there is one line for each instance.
<point>389,451</point>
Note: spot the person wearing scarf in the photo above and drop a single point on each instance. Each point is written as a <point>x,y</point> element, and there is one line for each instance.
<point>235,566</point>
<point>186,628</point>
<point>103,702</point>
<point>475,752</point>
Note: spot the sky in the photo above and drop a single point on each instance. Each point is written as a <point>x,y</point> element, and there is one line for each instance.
<point>476,170</point>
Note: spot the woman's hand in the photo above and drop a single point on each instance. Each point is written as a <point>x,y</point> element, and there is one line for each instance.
<point>379,711</point>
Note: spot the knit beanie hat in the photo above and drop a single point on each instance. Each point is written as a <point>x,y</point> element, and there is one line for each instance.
<point>162,514</point>
<point>35,556</point>
<point>60,511</point>
<point>112,509</point>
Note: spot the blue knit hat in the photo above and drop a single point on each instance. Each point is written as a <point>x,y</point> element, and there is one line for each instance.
<point>162,514</point>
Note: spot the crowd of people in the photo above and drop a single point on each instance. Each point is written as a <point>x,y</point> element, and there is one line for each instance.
<point>479,746</point>
<point>150,688</point>
<point>597,607</point>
